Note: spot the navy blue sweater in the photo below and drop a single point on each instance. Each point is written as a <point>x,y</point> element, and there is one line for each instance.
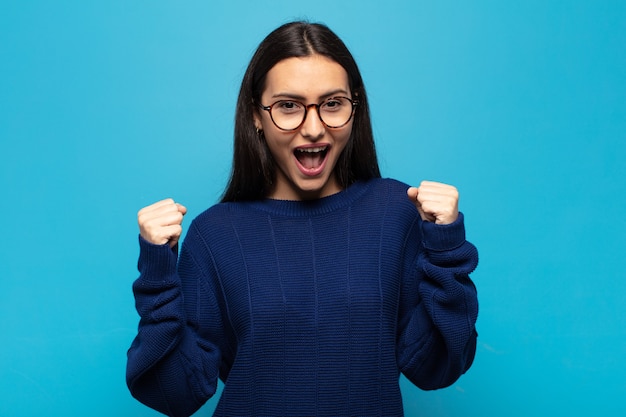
<point>304,308</point>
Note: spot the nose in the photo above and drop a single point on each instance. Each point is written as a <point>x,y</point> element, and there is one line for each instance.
<point>312,127</point>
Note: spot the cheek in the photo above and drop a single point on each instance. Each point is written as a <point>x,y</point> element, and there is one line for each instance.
<point>344,137</point>
<point>277,142</point>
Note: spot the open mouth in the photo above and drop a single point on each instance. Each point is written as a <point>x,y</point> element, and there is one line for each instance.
<point>311,158</point>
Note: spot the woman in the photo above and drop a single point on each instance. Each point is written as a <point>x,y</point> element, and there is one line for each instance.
<point>314,283</point>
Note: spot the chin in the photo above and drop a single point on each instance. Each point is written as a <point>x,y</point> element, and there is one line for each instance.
<point>312,191</point>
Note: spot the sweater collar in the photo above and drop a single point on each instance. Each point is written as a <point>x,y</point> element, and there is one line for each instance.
<point>320,206</point>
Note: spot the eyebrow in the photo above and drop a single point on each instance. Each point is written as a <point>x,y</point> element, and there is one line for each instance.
<point>302,98</point>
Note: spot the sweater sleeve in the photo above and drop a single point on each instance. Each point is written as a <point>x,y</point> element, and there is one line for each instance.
<point>170,368</point>
<point>439,307</point>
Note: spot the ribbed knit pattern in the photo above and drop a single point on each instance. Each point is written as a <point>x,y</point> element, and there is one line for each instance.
<point>304,308</point>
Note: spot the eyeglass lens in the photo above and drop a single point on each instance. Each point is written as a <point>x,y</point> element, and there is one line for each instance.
<point>289,115</point>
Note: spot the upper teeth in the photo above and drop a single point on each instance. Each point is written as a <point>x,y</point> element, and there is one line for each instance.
<point>312,150</point>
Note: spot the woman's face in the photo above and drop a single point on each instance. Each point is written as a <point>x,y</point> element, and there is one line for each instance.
<point>305,157</point>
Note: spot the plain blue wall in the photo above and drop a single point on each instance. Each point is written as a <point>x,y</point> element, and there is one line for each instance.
<point>108,106</point>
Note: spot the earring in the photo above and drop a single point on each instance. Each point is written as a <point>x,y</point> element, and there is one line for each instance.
<point>259,132</point>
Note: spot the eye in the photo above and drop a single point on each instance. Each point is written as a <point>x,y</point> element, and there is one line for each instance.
<point>287,106</point>
<point>334,104</point>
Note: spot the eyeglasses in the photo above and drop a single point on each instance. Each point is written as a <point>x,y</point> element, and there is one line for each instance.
<point>334,112</point>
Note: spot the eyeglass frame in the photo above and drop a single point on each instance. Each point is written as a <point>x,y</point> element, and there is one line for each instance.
<point>268,109</point>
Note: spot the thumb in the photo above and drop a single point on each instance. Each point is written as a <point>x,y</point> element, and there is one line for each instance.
<point>413,195</point>
<point>182,209</point>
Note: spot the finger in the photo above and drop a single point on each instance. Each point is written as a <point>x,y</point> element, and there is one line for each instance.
<point>181,208</point>
<point>438,188</point>
<point>413,194</point>
<point>157,206</point>
<point>437,192</point>
<point>441,210</point>
<point>160,209</point>
<point>174,233</point>
<point>163,220</point>
<point>161,236</point>
<point>430,187</point>
<point>425,213</point>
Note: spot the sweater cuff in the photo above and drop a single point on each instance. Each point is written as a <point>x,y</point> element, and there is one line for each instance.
<point>438,237</point>
<point>156,262</point>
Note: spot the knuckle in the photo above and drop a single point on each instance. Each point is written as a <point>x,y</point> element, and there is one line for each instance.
<point>141,219</point>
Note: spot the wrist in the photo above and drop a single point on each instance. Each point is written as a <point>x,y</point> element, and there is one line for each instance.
<point>442,237</point>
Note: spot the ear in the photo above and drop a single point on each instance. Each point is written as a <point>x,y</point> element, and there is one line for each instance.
<point>257,120</point>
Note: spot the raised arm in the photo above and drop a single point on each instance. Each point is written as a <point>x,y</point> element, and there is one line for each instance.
<point>439,306</point>
<point>169,367</point>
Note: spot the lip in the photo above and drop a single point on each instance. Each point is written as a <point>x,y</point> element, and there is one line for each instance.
<point>312,172</point>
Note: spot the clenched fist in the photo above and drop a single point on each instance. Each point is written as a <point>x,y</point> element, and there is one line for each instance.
<point>436,202</point>
<point>161,222</point>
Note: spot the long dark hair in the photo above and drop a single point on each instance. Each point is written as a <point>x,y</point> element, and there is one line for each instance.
<point>254,171</point>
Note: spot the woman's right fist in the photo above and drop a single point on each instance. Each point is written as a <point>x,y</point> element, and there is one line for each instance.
<point>160,223</point>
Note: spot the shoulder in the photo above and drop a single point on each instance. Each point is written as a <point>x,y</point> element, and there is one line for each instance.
<point>391,185</point>
<point>222,215</point>
<point>388,191</point>
<point>386,199</point>
<point>218,227</point>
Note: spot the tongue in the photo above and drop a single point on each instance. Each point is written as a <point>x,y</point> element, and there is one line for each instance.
<point>310,160</point>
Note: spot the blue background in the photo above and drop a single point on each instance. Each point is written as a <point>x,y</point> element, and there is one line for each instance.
<point>108,106</point>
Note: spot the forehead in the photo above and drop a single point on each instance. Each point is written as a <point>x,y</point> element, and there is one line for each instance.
<point>309,77</point>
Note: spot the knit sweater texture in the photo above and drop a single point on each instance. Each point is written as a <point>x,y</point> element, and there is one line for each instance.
<point>309,308</point>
